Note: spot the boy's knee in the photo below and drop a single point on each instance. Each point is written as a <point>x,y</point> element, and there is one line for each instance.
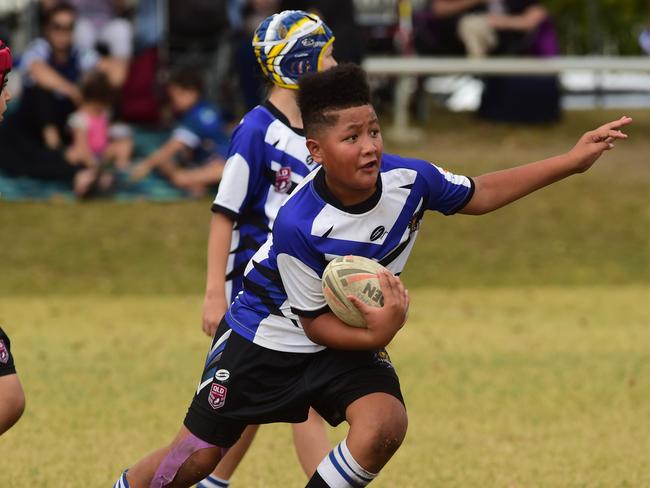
<point>390,432</point>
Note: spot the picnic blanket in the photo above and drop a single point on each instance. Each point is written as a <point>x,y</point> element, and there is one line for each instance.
<point>153,187</point>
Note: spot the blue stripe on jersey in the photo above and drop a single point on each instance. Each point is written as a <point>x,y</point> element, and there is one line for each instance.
<point>277,159</point>
<point>311,229</point>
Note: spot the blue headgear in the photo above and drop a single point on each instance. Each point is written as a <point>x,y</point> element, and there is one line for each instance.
<point>289,44</point>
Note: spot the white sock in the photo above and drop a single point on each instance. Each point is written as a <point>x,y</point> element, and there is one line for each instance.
<point>340,470</point>
<point>213,482</point>
<point>122,483</point>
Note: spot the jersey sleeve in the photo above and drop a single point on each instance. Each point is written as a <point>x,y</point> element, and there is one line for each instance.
<point>446,192</point>
<point>243,173</point>
<point>190,130</point>
<point>301,267</point>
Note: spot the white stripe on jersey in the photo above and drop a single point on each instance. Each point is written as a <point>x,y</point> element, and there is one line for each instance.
<point>360,227</point>
<point>296,274</point>
<point>234,185</point>
<point>273,330</point>
<point>286,140</point>
<point>261,254</point>
<point>453,178</point>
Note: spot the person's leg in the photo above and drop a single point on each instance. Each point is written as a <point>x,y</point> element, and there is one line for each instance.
<point>311,442</point>
<point>220,477</point>
<point>378,425</point>
<point>12,401</point>
<point>12,397</point>
<point>183,463</point>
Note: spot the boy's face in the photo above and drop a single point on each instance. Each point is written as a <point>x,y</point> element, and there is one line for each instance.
<point>350,151</point>
<point>182,99</point>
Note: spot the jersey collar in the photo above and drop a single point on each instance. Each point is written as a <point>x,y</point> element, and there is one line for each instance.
<point>321,188</point>
<point>281,117</point>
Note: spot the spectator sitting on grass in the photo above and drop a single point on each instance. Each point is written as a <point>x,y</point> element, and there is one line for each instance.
<point>94,141</point>
<point>32,140</point>
<point>192,158</point>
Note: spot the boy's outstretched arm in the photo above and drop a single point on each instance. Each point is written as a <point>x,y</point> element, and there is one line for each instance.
<point>494,190</point>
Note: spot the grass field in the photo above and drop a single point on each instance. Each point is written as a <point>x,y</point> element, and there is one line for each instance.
<point>525,363</point>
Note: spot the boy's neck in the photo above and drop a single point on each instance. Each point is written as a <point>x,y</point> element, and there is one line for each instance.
<point>285,100</point>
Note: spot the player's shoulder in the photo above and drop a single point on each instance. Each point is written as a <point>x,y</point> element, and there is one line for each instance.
<point>299,210</point>
<point>394,161</point>
<point>257,119</point>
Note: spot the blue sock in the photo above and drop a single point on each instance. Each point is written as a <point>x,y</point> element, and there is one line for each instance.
<point>213,482</point>
<point>122,483</point>
<point>340,470</point>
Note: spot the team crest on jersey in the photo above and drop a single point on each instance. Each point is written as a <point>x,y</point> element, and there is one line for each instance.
<point>382,358</point>
<point>4,353</point>
<point>283,179</point>
<point>217,396</point>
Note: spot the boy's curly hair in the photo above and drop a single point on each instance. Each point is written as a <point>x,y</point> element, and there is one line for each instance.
<point>322,93</point>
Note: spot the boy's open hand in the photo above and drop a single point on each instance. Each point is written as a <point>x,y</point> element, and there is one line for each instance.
<point>384,322</point>
<point>593,143</point>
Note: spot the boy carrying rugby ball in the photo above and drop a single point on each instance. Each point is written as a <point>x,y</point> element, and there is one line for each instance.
<point>279,350</point>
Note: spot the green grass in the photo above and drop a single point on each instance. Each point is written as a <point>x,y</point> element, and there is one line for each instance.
<point>536,387</point>
<point>525,362</point>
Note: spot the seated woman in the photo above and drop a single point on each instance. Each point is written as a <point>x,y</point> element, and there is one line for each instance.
<point>33,138</point>
<point>479,28</point>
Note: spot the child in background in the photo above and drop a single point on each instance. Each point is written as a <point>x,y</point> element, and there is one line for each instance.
<point>95,139</point>
<point>193,157</point>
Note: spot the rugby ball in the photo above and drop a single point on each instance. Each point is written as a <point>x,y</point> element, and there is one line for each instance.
<point>356,276</point>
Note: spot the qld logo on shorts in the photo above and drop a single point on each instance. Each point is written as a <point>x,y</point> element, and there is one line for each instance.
<point>4,353</point>
<point>283,180</point>
<point>217,396</point>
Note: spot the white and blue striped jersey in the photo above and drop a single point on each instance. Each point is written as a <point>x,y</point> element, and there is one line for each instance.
<point>283,279</point>
<point>267,159</point>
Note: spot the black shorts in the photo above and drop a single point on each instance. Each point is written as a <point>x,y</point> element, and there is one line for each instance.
<point>6,359</point>
<point>246,384</point>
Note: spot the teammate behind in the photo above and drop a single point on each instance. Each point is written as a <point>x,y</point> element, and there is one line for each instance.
<point>279,349</point>
<point>191,159</point>
<point>12,397</point>
<point>267,158</point>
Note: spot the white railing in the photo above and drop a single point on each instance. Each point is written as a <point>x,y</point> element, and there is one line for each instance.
<point>406,69</point>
